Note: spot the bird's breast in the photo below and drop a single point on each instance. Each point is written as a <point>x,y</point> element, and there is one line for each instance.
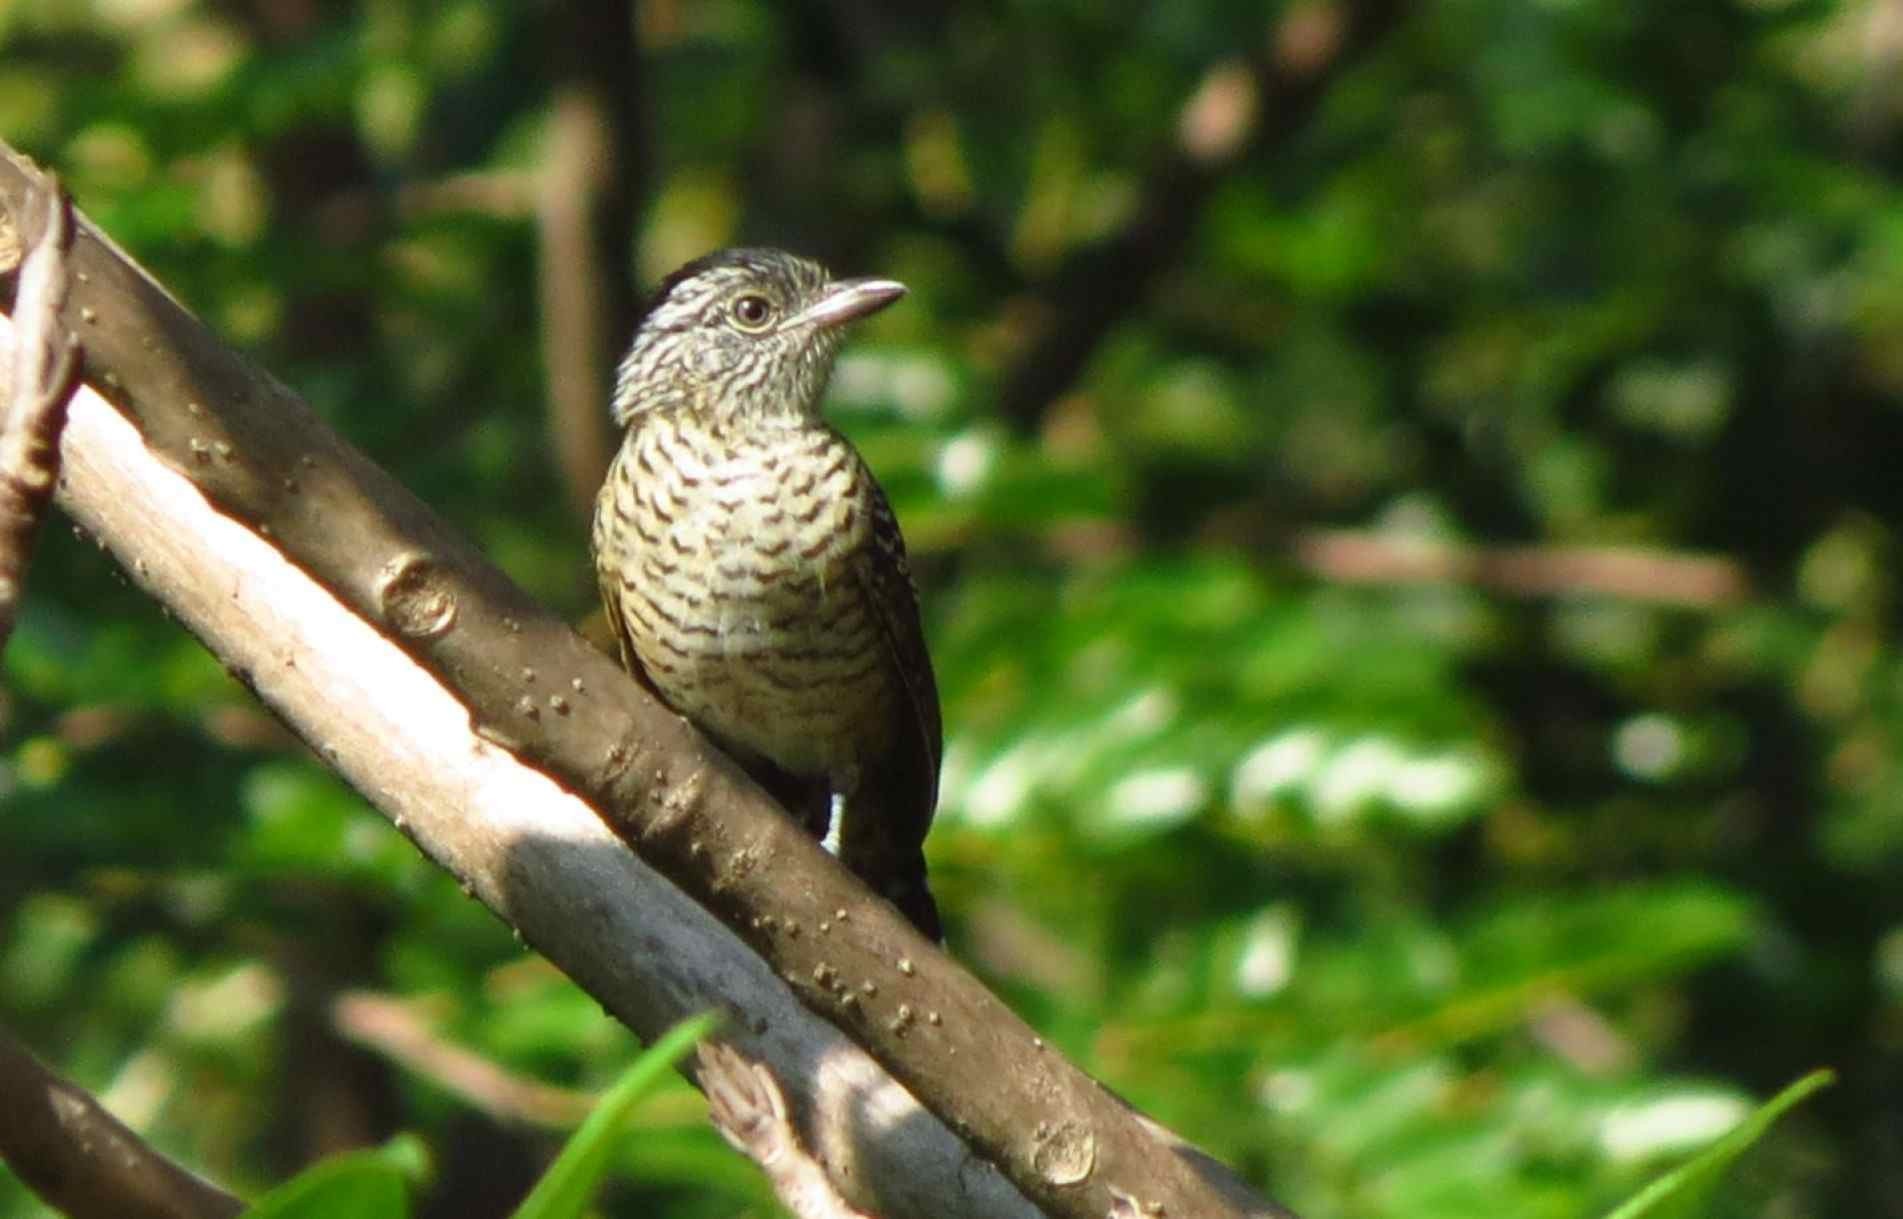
<point>774,521</point>
<point>736,563</point>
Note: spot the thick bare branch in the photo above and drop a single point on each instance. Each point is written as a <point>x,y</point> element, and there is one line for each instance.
<point>520,758</point>
<point>523,843</point>
<point>82,1160</point>
<point>43,365</point>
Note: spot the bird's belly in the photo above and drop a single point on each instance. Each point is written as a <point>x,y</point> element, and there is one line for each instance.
<point>793,675</point>
<point>750,620</point>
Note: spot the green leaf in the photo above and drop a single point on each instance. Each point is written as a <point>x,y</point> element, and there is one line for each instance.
<point>370,1184</point>
<point>564,1189</point>
<point>1685,1190</point>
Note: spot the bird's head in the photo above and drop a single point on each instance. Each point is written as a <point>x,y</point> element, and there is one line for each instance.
<point>746,334</point>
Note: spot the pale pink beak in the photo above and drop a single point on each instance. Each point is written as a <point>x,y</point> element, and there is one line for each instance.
<point>848,300</point>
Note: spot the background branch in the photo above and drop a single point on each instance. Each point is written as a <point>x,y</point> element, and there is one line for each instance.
<point>398,1029</point>
<point>1631,573</point>
<point>85,1162</point>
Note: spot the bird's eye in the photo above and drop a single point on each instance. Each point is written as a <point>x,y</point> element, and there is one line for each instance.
<point>752,311</point>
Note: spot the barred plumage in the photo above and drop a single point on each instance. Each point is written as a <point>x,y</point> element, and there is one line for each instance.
<point>752,568</point>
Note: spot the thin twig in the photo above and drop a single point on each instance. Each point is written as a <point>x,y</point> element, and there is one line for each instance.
<point>45,360</point>
<point>83,1161</point>
<point>1630,573</point>
<point>395,1028</point>
<point>745,1104</point>
<point>1641,574</point>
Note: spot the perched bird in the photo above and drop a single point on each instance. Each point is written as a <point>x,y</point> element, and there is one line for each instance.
<point>753,570</point>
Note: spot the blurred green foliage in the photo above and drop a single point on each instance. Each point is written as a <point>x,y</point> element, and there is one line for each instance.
<point>1495,893</point>
<point>1687,1190</point>
<point>373,1184</point>
<point>564,1190</point>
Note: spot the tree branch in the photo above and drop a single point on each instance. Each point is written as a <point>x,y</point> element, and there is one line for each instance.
<point>1643,574</point>
<point>82,1160</point>
<point>523,843</point>
<point>522,759</point>
<point>395,1028</point>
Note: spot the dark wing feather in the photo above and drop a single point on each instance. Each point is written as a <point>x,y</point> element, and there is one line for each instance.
<point>901,785</point>
<point>886,578</point>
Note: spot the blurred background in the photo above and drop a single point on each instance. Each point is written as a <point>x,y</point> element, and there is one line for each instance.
<point>1406,499</point>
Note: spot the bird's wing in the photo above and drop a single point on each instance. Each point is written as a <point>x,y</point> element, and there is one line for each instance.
<point>886,581</point>
<point>884,840</point>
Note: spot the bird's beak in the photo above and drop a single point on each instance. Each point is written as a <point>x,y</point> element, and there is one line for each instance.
<point>848,300</point>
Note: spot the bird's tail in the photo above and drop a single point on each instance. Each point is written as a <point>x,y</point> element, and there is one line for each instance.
<point>906,888</point>
<point>893,870</point>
